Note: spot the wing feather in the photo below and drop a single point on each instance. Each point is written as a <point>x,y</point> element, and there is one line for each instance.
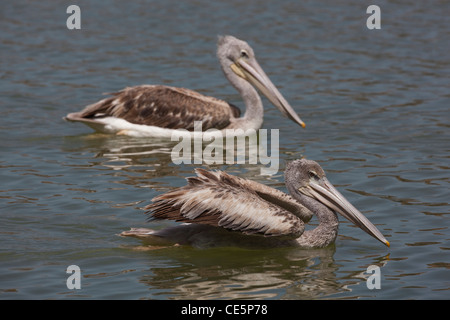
<point>219,199</point>
<point>280,199</point>
<point>162,106</point>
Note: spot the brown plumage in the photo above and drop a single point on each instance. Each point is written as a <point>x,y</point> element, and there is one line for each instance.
<point>223,200</point>
<point>162,106</point>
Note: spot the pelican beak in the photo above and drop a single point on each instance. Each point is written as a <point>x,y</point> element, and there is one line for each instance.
<point>253,73</point>
<point>323,191</point>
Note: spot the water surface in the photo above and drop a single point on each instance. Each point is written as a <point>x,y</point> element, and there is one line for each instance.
<point>376,106</point>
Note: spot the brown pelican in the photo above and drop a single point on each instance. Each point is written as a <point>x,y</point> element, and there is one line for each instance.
<point>217,199</point>
<point>157,110</point>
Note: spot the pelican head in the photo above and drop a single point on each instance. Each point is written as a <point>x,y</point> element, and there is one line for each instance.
<point>305,178</point>
<point>237,56</point>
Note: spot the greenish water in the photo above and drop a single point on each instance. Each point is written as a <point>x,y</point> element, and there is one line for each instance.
<point>376,106</point>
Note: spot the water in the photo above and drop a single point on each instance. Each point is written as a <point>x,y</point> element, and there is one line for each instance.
<point>376,106</point>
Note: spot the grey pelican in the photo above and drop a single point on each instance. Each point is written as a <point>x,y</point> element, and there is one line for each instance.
<point>217,200</point>
<point>157,110</point>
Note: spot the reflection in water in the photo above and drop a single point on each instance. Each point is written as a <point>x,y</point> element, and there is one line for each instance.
<point>232,273</point>
<point>226,273</point>
<point>134,160</point>
<point>153,157</point>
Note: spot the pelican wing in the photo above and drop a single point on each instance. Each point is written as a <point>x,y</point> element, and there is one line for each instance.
<point>279,198</point>
<point>219,199</point>
<point>161,106</point>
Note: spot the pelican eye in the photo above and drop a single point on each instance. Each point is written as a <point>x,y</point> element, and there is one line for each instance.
<point>244,54</point>
<point>313,175</point>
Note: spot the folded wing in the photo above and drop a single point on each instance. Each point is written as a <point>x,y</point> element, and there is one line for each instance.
<point>222,200</point>
<point>161,106</point>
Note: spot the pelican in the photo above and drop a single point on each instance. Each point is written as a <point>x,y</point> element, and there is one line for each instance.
<point>158,110</point>
<point>215,200</point>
